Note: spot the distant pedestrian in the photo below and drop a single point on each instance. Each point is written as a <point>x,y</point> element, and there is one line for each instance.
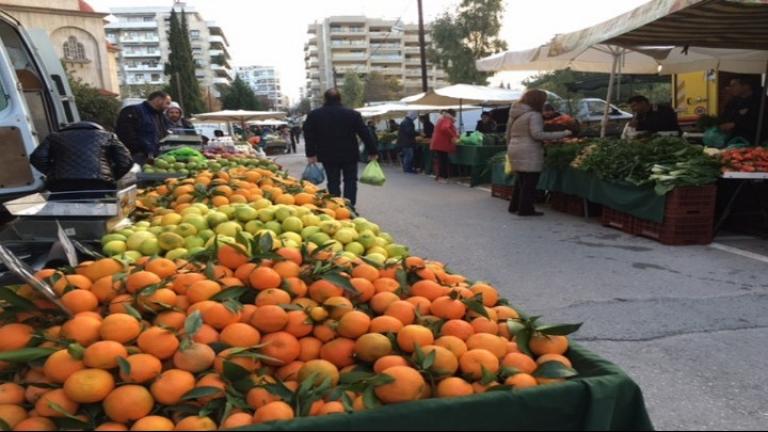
<point>393,127</point>
<point>330,134</point>
<point>141,127</point>
<point>406,141</point>
<point>295,136</point>
<point>444,143</point>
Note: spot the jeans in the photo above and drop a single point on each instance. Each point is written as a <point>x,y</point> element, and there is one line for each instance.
<point>524,194</point>
<point>334,171</point>
<point>408,159</point>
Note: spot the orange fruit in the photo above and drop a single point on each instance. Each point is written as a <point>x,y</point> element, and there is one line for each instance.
<point>365,290</point>
<point>232,256</point>
<point>354,324</point>
<point>106,288</point>
<point>69,282</point>
<point>372,346</point>
<point>15,336</point>
<point>281,346</point>
<point>171,319</point>
<point>445,363</point>
<point>219,316</point>
<point>296,287</point>
<point>163,298</point>
<point>411,335</point>
<point>287,269</point>
<point>11,394</point>
<point>310,348</point>
<point>541,345</point>
<point>325,331</point>
<point>104,354</point>
<point>202,290</point>
<point>546,358</point>
<point>273,411</point>
<point>484,325</point>
<point>447,308</point>
<point>81,329</point>
<point>385,324</point>
<point>153,423</point>
<point>257,397</point>
<point>196,424</point>
<point>408,385</point>
<point>119,303</point>
<point>144,368</point>
<point>489,293</point>
<point>206,335</point>
<point>492,343</point>
<point>264,278</point>
<point>162,267</point>
<point>338,306</point>
<point>290,254</point>
<point>182,281</point>
<point>195,358</point>
<point>389,361</point>
<point>381,301</point>
<point>474,361</point>
<point>58,397</point>
<point>386,285</point>
<point>128,403</point>
<point>89,385</point>
<point>519,361</point>
<point>458,328</point>
<point>158,342</point>
<point>12,415</point>
<point>289,372</point>
<point>171,385</point>
<point>273,296</point>
<point>140,280</point>
<point>429,289</point>
<point>61,365</point>
<point>79,300</point>
<point>240,335</point>
<point>452,344</point>
<point>366,271</point>
<point>321,369</point>
<point>119,327</point>
<point>298,324</point>
<point>521,381</point>
<point>322,290</point>
<point>269,318</point>
<point>422,304</point>
<point>215,381</point>
<point>506,313</point>
<point>237,420</point>
<point>339,351</point>
<point>454,387</point>
<point>228,355</point>
<point>35,424</point>
<point>402,310</point>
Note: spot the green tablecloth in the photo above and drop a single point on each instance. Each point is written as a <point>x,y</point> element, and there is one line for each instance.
<point>640,202</point>
<point>603,398</point>
<point>499,177</point>
<point>476,158</point>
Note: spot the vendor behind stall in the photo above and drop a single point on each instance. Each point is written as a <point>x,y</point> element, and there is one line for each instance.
<point>82,157</point>
<point>555,121</point>
<point>652,118</point>
<point>175,121</point>
<point>742,112</point>
<point>486,124</point>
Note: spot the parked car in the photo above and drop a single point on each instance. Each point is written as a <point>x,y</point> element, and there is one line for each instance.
<point>589,113</point>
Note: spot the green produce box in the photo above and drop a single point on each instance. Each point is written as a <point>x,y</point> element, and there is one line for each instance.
<point>499,177</point>
<point>603,398</point>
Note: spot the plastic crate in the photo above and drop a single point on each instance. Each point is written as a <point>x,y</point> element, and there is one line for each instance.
<point>503,192</point>
<point>619,220</point>
<point>678,230</point>
<point>691,201</point>
<point>558,201</point>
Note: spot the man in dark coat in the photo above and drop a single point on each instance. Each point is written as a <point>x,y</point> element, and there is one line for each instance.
<point>742,112</point>
<point>652,118</point>
<point>82,156</point>
<point>406,141</point>
<point>141,127</point>
<point>330,134</point>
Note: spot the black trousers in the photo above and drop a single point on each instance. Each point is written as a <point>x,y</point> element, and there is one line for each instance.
<point>334,172</point>
<point>295,137</point>
<point>441,158</point>
<point>524,193</point>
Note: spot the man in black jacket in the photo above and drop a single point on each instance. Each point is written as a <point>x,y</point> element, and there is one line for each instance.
<point>82,156</point>
<point>142,126</point>
<point>406,141</point>
<point>331,133</point>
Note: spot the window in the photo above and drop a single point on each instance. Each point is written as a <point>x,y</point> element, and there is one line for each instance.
<point>74,51</point>
<point>149,19</point>
<point>194,34</point>
<point>155,77</point>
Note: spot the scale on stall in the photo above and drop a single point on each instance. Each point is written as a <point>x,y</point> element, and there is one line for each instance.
<point>181,137</point>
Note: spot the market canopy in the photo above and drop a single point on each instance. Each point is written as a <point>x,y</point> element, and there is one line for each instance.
<point>705,23</point>
<point>240,115</point>
<point>268,122</point>
<point>460,94</point>
<point>398,109</point>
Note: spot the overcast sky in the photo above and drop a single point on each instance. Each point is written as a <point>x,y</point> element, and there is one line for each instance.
<point>273,32</point>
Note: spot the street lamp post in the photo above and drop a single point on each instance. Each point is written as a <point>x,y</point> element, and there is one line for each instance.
<point>423,49</point>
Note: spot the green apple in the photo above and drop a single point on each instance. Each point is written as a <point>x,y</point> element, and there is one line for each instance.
<point>397,250</point>
<point>380,241</point>
<point>310,220</point>
<point>196,220</point>
<point>171,219</point>
<point>355,248</point>
<point>375,228</point>
<point>113,237</point>
<point>132,256</point>
<point>115,247</point>
<point>296,238</point>
<point>215,218</point>
<point>206,234</point>
<point>169,241</point>
<point>229,229</point>
<point>145,224</point>
<point>349,255</point>
<point>274,226</point>
<point>282,213</point>
<point>291,244</point>
<point>387,237</point>
<point>156,230</point>
<point>186,230</point>
<point>135,240</point>
<point>324,217</point>
<point>193,242</point>
<point>196,250</point>
<point>336,246</point>
<point>143,228</point>
<point>169,228</point>
<point>293,224</point>
<point>377,258</point>
<point>191,211</point>
<point>346,235</point>
<point>309,231</point>
<point>177,254</point>
<point>378,250</point>
<point>246,213</point>
<point>320,238</point>
<point>329,227</point>
<point>228,210</point>
<point>126,232</point>
<point>303,211</point>
<point>266,214</point>
<point>367,239</point>
<point>203,208</point>
<point>150,247</point>
<point>254,226</point>
<point>262,203</point>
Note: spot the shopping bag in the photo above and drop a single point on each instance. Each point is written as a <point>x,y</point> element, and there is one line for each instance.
<point>373,174</point>
<point>714,137</point>
<point>509,170</point>
<point>313,174</point>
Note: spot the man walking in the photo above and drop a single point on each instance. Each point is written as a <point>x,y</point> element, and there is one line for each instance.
<point>406,141</point>
<point>330,134</point>
<point>141,127</point>
<point>295,135</point>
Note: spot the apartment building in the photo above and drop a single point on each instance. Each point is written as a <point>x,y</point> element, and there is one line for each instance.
<point>265,82</point>
<point>342,44</point>
<point>141,33</point>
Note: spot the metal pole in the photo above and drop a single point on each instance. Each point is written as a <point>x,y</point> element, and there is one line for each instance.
<point>761,118</point>
<point>604,125</point>
<point>423,50</point>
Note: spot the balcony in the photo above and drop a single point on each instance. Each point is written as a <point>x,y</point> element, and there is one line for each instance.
<point>347,30</point>
<point>388,71</point>
<point>213,39</point>
<point>347,44</point>
<point>222,81</point>
<point>141,68</point>
<point>413,49</point>
<point>132,25</point>
<point>139,40</point>
<point>386,35</point>
<point>221,70</point>
<point>135,81</point>
<point>137,54</point>
<point>349,57</point>
<point>413,73</point>
<point>386,59</point>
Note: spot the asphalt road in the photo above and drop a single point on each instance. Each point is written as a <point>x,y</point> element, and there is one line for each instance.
<point>689,324</point>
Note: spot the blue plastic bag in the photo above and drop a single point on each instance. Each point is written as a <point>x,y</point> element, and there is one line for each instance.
<point>313,174</point>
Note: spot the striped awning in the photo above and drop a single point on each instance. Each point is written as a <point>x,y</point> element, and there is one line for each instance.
<point>741,24</point>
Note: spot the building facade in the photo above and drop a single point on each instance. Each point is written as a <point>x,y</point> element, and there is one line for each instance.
<point>265,82</point>
<point>141,33</point>
<point>77,34</point>
<point>342,44</point>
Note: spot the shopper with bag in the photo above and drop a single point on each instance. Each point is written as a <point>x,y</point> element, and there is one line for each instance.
<point>444,142</point>
<point>525,136</point>
<point>331,134</point>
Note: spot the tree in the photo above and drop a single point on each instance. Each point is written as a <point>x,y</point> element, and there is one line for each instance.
<point>239,95</point>
<point>473,33</point>
<point>573,85</point>
<point>184,86</point>
<point>352,90</point>
<point>93,105</point>
<point>381,88</point>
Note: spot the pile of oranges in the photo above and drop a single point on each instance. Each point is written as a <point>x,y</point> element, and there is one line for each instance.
<point>238,340</point>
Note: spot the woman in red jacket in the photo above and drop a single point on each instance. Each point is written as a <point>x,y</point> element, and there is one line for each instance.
<point>444,142</point>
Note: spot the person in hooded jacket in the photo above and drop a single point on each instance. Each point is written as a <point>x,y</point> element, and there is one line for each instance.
<point>174,119</point>
<point>82,157</point>
<point>525,136</point>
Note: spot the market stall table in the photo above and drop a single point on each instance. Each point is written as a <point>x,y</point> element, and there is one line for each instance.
<point>476,158</point>
<point>747,183</point>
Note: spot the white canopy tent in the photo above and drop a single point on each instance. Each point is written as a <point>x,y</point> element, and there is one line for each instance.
<point>240,116</point>
<point>460,94</point>
<point>268,122</point>
<point>393,110</point>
